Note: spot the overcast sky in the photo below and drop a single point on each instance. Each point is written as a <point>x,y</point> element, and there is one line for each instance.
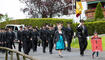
<point>12,8</point>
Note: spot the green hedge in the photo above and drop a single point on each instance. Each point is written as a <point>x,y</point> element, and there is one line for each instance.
<point>99,26</point>
<point>35,21</point>
<point>93,20</point>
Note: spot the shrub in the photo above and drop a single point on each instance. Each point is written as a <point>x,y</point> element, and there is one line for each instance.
<point>99,12</point>
<point>35,21</point>
<point>99,26</point>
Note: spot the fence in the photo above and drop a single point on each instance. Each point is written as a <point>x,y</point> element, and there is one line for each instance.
<point>17,54</point>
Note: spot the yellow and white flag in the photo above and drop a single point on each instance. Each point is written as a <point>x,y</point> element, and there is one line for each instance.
<point>79,8</point>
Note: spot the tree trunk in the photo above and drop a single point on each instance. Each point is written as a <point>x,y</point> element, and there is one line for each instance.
<point>50,16</point>
<point>44,16</point>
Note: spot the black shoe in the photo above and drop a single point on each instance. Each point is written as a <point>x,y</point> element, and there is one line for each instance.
<point>34,50</point>
<point>69,50</point>
<point>93,56</point>
<point>51,53</point>
<point>97,56</point>
<point>60,56</point>
<point>82,53</point>
<point>44,52</point>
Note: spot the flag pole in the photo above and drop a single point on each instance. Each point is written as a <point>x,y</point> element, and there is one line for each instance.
<point>80,16</point>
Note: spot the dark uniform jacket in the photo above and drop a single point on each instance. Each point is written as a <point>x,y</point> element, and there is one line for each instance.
<point>35,34</point>
<point>82,32</point>
<point>69,32</point>
<point>43,34</point>
<point>50,34</point>
<point>20,35</point>
<point>10,36</point>
<point>26,35</point>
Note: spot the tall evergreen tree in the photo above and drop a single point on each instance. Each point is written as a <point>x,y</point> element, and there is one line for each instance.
<point>99,12</point>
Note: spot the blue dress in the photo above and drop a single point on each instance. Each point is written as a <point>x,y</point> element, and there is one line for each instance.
<point>60,43</point>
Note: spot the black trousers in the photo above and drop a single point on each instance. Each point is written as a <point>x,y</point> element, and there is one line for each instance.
<point>50,42</point>
<point>34,45</point>
<point>0,46</point>
<point>10,45</point>
<point>3,45</point>
<point>44,45</point>
<point>27,47</point>
<point>83,44</point>
<point>69,41</point>
<point>19,46</point>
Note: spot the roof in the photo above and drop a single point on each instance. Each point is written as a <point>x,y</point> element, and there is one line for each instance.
<point>94,2</point>
<point>14,25</point>
<point>1,14</point>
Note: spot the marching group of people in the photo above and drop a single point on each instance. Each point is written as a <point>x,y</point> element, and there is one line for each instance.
<point>7,38</point>
<point>49,35</point>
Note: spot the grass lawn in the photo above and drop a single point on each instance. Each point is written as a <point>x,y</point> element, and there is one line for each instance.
<point>75,43</point>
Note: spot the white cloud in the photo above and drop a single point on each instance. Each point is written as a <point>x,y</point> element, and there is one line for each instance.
<point>12,8</point>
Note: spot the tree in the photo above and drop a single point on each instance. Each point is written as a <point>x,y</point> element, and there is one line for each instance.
<point>5,17</point>
<point>1,16</point>
<point>45,8</point>
<point>99,12</point>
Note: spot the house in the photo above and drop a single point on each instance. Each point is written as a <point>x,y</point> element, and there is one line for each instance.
<point>90,12</point>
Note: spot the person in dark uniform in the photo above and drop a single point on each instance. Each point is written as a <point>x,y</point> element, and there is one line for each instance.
<point>4,36</point>
<point>30,29</point>
<point>0,39</point>
<point>11,38</point>
<point>35,34</point>
<point>50,38</point>
<point>39,40</point>
<point>69,35</point>
<point>63,28</point>
<point>82,34</point>
<point>20,38</point>
<point>47,28</point>
<point>43,36</point>
<point>26,41</point>
<point>6,40</point>
<point>36,27</point>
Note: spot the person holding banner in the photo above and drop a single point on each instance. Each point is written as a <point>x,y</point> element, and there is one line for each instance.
<point>82,34</point>
<point>96,45</point>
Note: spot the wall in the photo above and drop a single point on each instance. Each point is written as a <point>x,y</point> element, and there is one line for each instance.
<point>91,13</point>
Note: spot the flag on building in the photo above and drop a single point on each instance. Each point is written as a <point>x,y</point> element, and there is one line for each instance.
<point>79,8</point>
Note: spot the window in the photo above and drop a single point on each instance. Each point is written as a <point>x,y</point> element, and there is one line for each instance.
<point>16,28</point>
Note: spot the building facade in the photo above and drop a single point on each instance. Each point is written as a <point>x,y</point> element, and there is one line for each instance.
<point>90,12</point>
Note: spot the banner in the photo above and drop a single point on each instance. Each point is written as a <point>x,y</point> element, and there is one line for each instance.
<point>79,8</point>
<point>96,44</point>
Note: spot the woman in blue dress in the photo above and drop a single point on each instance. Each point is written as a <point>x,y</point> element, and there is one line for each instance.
<point>59,40</point>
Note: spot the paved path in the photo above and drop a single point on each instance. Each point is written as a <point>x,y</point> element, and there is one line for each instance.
<point>73,55</point>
